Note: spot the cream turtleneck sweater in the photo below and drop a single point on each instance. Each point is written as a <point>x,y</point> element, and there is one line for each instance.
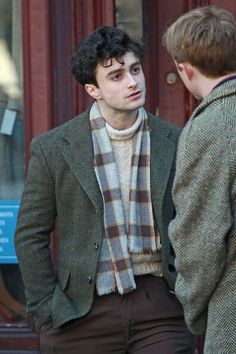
<point>122,143</point>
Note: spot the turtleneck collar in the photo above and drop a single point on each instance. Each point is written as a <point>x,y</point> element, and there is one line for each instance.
<point>124,134</point>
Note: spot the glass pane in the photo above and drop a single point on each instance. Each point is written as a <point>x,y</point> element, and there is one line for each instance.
<point>129,17</point>
<point>11,160</point>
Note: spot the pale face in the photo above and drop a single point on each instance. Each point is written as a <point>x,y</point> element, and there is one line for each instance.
<point>121,87</point>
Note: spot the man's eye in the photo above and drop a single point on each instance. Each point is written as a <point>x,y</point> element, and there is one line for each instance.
<point>136,69</point>
<point>116,77</point>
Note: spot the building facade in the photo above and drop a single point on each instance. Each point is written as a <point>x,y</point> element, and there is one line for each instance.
<point>38,92</point>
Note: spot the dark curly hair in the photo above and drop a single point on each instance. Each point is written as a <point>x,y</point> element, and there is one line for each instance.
<point>100,47</point>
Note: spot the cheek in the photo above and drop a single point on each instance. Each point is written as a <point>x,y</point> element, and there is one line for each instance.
<point>142,78</point>
<point>111,99</point>
<point>113,95</point>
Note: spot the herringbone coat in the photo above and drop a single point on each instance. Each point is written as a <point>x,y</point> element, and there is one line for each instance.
<point>62,191</point>
<point>203,232</point>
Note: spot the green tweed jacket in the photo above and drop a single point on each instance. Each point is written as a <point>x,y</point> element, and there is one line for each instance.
<point>61,193</point>
<point>203,232</point>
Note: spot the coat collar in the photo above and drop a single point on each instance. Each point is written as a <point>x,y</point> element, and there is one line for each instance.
<point>79,157</point>
<point>227,88</point>
<point>162,161</point>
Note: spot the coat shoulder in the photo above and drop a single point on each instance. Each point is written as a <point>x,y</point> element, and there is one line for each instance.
<point>55,136</point>
<point>171,130</point>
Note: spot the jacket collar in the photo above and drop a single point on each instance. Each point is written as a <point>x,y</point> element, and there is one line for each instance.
<point>79,157</point>
<point>226,88</point>
<point>162,155</point>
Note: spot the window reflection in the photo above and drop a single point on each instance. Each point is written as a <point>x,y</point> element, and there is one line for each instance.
<point>129,17</point>
<point>11,155</point>
<point>11,121</point>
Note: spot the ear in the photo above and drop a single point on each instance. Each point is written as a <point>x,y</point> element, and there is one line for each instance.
<point>186,68</point>
<point>93,91</point>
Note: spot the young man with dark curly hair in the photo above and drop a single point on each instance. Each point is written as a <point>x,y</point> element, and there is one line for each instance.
<point>104,180</point>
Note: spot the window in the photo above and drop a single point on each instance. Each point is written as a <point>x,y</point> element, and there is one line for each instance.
<point>11,159</point>
<point>129,17</point>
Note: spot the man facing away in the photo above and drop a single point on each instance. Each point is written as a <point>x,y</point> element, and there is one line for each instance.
<point>103,180</point>
<point>202,43</point>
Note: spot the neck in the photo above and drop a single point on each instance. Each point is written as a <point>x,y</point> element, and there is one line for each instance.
<point>207,84</point>
<point>118,119</point>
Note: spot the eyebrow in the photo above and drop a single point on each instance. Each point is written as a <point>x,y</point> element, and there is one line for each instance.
<point>121,68</point>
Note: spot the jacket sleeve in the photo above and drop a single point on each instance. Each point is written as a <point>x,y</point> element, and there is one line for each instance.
<point>32,238</point>
<point>203,217</point>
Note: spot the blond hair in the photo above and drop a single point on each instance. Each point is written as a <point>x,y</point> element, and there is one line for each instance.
<point>206,38</point>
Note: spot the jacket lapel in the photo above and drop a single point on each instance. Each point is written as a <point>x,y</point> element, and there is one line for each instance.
<point>79,157</point>
<point>162,155</point>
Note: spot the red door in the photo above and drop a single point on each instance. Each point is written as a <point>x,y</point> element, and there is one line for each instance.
<point>166,94</point>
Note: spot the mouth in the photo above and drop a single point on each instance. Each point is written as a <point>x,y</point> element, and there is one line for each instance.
<point>135,95</point>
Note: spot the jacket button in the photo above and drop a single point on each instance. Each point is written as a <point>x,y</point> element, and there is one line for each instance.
<point>90,280</point>
<point>96,245</point>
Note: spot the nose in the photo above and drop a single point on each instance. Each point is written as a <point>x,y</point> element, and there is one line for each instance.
<point>131,81</point>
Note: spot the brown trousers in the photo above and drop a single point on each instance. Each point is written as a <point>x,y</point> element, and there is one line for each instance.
<point>146,321</point>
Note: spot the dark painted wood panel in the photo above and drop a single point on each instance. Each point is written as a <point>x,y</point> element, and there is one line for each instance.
<point>38,71</point>
<point>88,15</point>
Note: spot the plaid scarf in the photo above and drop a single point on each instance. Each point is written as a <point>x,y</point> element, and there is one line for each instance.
<point>115,267</point>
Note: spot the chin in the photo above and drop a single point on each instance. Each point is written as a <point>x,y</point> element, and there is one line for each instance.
<point>140,103</point>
